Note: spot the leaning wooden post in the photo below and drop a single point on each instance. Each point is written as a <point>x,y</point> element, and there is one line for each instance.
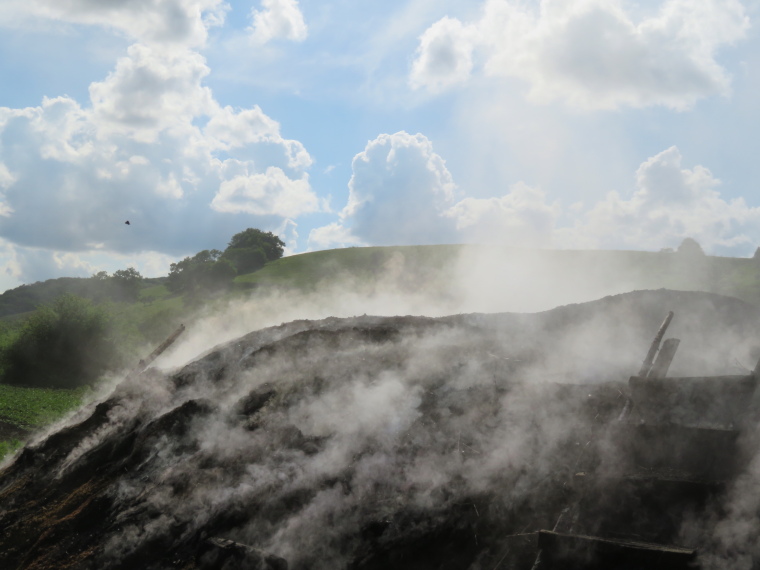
<point>664,358</point>
<point>756,371</point>
<point>647,364</point>
<point>143,364</point>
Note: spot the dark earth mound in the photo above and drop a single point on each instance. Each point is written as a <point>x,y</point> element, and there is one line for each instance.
<point>361,443</point>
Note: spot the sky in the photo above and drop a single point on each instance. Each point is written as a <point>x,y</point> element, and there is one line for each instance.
<point>574,124</point>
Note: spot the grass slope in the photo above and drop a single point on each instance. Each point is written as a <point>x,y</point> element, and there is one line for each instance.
<point>737,277</point>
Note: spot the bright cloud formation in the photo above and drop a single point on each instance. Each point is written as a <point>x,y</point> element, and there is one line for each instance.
<point>402,192</point>
<point>590,54</point>
<point>278,19</point>
<point>153,147</point>
<point>183,22</point>
<point>671,203</point>
<point>397,195</point>
<point>444,56</point>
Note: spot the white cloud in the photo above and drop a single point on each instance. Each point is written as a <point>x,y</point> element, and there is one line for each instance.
<point>154,148</point>
<point>397,192</point>
<point>593,54</point>
<point>6,178</point>
<point>278,19</point>
<point>670,204</point>
<point>444,56</point>
<point>235,129</point>
<point>522,217</point>
<point>268,193</point>
<point>150,91</point>
<point>402,193</point>
<point>182,22</point>
<point>331,236</point>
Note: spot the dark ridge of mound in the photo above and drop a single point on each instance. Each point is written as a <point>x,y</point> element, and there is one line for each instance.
<point>361,443</point>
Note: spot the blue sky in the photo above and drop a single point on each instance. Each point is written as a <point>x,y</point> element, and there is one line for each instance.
<point>557,123</point>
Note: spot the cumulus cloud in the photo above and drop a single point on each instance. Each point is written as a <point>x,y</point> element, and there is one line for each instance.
<point>150,91</point>
<point>278,19</point>
<point>398,190</point>
<point>332,235</point>
<point>444,56</point>
<point>592,54</point>
<point>271,192</point>
<point>402,193</point>
<point>159,21</point>
<point>154,147</point>
<point>671,203</point>
<point>522,216</point>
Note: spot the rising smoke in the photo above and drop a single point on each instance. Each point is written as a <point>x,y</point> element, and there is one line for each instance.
<point>344,442</point>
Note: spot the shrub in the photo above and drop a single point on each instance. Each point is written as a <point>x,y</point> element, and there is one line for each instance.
<point>67,344</point>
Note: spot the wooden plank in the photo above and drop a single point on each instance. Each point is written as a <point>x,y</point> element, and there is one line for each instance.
<point>647,364</point>
<point>559,550</point>
<point>664,358</point>
<point>143,364</point>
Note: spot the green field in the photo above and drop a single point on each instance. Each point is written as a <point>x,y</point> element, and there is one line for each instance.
<point>30,408</point>
<point>22,410</point>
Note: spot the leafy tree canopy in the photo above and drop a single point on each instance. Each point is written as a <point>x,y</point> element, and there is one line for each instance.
<point>205,271</point>
<point>272,246</point>
<point>250,249</point>
<point>690,246</point>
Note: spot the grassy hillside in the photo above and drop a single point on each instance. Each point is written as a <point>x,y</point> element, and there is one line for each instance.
<point>442,266</point>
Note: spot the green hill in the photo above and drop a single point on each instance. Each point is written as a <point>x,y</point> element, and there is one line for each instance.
<point>446,269</point>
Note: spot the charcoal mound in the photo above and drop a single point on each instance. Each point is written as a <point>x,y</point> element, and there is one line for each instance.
<point>359,443</point>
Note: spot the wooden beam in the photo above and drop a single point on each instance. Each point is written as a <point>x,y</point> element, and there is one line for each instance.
<point>143,364</point>
<point>664,358</point>
<point>647,364</point>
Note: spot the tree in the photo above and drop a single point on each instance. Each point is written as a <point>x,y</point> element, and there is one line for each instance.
<point>689,246</point>
<point>66,344</point>
<point>205,271</point>
<point>127,283</point>
<point>246,259</point>
<point>250,249</point>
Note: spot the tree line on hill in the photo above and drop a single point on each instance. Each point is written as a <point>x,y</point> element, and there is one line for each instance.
<point>71,340</point>
<point>212,269</point>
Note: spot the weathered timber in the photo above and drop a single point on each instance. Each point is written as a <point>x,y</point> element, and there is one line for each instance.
<point>701,401</point>
<point>143,364</point>
<point>647,364</point>
<point>565,551</point>
<point>756,371</point>
<point>221,553</point>
<point>664,358</point>
<point>703,454</point>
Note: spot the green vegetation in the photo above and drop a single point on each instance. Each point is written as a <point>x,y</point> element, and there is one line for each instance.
<point>7,447</point>
<point>28,408</point>
<point>67,344</point>
<point>404,265</point>
<point>205,272</point>
<point>25,409</point>
<point>212,271</point>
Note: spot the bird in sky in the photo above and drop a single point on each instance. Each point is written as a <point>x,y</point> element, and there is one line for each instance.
<point>127,222</point>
